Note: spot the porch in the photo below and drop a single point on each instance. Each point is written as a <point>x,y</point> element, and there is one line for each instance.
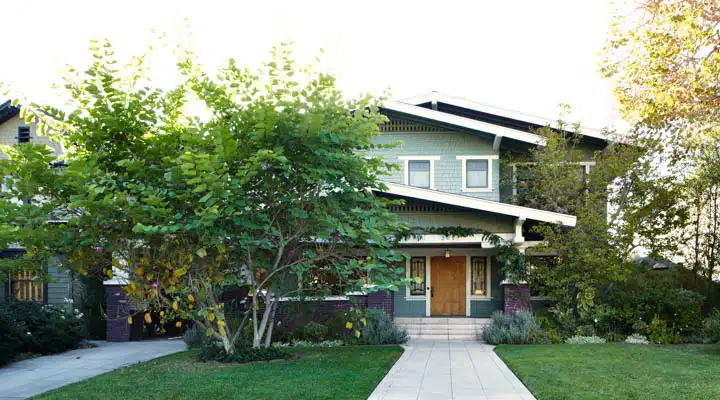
<point>443,328</point>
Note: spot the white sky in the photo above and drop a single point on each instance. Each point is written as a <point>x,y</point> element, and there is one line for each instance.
<point>527,56</point>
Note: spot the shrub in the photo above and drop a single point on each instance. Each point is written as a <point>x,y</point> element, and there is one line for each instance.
<point>380,329</point>
<point>614,337</point>
<point>305,343</point>
<point>194,337</point>
<point>586,330</point>
<point>648,294</point>
<point>12,341</point>
<point>243,354</point>
<point>542,336</point>
<point>585,340</point>
<point>507,329</point>
<point>636,338</point>
<point>661,334</point>
<point>314,332</point>
<point>45,329</point>
<point>711,328</point>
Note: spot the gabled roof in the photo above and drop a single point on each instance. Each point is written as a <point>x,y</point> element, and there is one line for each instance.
<point>480,204</point>
<point>461,107</point>
<point>466,123</point>
<point>8,111</point>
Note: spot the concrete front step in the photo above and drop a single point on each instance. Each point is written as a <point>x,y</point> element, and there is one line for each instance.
<point>443,328</point>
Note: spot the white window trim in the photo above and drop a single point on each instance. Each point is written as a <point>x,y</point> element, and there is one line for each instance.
<point>468,284</point>
<point>417,297</point>
<point>406,171</point>
<point>489,159</point>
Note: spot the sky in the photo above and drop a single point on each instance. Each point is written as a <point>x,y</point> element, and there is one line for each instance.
<point>529,56</point>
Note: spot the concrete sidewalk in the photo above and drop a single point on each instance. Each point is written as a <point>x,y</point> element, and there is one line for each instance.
<point>443,370</point>
<point>31,377</point>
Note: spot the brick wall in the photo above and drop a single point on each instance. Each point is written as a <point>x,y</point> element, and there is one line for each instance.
<point>517,297</point>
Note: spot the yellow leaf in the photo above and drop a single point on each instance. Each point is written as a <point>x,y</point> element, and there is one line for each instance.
<point>211,317</point>
<point>357,333</point>
<point>130,320</point>
<point>178,324</point>
<point>364,321</point>
<point>222,331</point>
<point>175,305</point>
<point>162,313</point>
<point>139,271</point>
<point>348,325</point>
<point>191,297</point>
<point>148,318</point>
<point>109,273</point>
<point>221,323</point>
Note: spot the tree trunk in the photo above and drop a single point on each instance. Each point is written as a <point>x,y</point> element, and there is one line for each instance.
<point>268,335</point>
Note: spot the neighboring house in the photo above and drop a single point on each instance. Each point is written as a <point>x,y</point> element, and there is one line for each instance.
<point>14,129</point>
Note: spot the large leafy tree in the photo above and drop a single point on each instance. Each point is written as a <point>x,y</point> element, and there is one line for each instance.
<point>269,190</point>
<point>620,206</point>
<point>665,57</point>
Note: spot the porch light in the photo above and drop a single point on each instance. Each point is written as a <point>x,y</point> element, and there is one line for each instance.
<point>447,253</point>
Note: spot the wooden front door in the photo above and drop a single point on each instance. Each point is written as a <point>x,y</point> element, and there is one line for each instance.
<point>447,282</point>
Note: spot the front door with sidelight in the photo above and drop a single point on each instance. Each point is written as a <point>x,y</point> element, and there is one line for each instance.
<point>448,286</point>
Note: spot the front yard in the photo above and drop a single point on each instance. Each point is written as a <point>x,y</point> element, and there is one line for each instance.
<point>616,371</point>
<point>320,373</point>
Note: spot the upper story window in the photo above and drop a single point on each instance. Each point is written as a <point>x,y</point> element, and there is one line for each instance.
<point>23,134</point>
<point>477,173</point>
<point>420,171</point>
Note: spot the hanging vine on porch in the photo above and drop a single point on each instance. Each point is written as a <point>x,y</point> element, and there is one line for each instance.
<point>511,259</point>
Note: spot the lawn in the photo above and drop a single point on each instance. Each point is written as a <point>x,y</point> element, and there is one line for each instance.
<point>616,371</point>
<point>326,373</point>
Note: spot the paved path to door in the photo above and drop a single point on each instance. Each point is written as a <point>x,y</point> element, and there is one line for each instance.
<point>31,377</point>
<point>444,370</point>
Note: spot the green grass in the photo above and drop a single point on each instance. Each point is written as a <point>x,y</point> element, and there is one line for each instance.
<point>616,371</point>
<point>320,373</point>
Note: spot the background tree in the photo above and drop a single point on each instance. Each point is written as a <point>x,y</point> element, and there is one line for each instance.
<point>270,189</point>
<point>665,58</point>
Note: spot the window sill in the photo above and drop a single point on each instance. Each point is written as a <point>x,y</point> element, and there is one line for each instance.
<point>324,298</point>
<point>476,190</point>
<point>414,298</point>
<point>480,298</point>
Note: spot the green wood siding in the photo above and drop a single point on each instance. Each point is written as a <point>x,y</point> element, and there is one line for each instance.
<point>59,287</point>
<point>447,145</point>
<point>405,308</point>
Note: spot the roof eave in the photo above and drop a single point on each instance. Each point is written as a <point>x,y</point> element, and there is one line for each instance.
<point>480,204</point>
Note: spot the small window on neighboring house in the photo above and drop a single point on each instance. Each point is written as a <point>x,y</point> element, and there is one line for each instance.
<point>417,275</point>
<point>477,173</point>
<point>419,173</point>
<point>478,278</point>
<point>24,134</point>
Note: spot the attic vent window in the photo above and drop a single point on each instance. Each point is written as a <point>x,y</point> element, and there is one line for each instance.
<point>23,134</point>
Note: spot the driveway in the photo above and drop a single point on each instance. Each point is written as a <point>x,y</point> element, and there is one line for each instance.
<point>443,370</point>
<point>31,377</point>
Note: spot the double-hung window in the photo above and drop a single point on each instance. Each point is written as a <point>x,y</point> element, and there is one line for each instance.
<point>477,173</point>
<point>420,171</point>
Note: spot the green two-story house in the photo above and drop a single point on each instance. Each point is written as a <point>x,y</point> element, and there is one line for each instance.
<point>449,176</point>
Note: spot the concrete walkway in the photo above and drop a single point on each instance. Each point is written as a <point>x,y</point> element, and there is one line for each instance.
<point>443,370</point>
<point>31,377</point>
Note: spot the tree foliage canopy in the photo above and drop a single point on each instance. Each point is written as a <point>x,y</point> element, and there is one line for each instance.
<point>270,187</point>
